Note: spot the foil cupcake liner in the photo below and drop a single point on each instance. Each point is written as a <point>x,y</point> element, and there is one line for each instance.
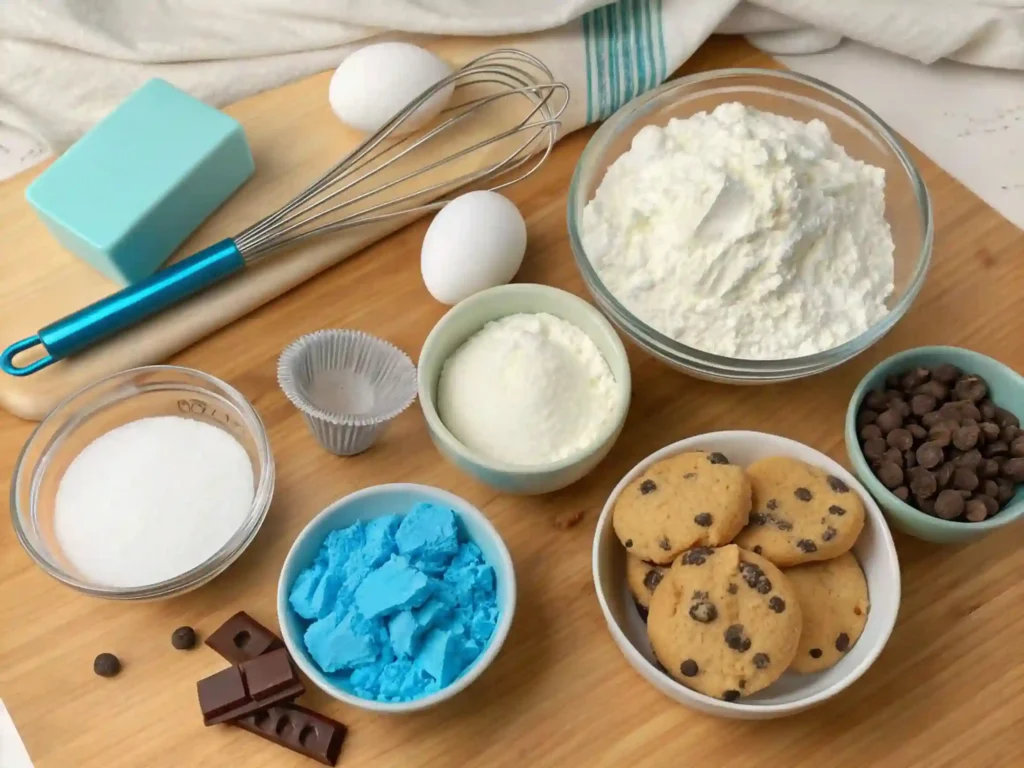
<point>348,385</point>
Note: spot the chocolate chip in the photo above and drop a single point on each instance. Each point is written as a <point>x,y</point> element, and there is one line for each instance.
<point>1008,434</point>
<point>732,589</point>
<point>804,494</point>
<point>736,639</point>
<point>815,653</point>
<point>703,519</point>
<point>890,474</point>
<point>902,493</point>
<point>703,611</point>
<point>988,488</point>
<point>893,456</point>
<point>782,525</point>
<point>922,404</point>
<point>995,448</point>
<point>874,448</point>
<point>836,510</point>
<point>730,695</point>
<point>1013,470</point>
<point>941,433</point>
<point>106,665</point>
<point>664,543</point>
<point>927,506</point>
<point>1006,490</point>
<point>936,389</point>
<point>772,504</point>
<point>183,638</point>
<point>648,486</point>
<point>900,439</point>
<point>875,400</point>
<point>777,604</point>
<point>915,378</point>
<point>757,549</point>
<point>988,409</point>
<point>628,543</point>
<point>989,468</point>
<point>689,476</point>
<point>944,474</point>
<point>762,660</point>
<point>759,518</point>
<point>966,438</point>
<point>889,420</point>
<point>946,373</point>
<point>917,431</point>
<point>975,511</point>
<point>965,479</point>
<point>866,418</point>
<point>870,432</point>
<point>952,411</point>
<point>718,458</point>
<point>929,455</point>
<point>969,459</point>
<point>696,556</point>
<point>689,668</point>
<point>922,483</point>
<point>755,578</point>
<point>829,534</point>
<point>901,406</point>
<point>909,459</point>
<point>1003,418</point>
<point>989,432</point>
<point>837,485</point>
<point>949,505</point>
<point>806,545</point>
<point>929,420</point>
<point>970,387</point>
<point>842,642</point>
<point>1017,447</point>
<point>991,505</point>
<point>653,579</point>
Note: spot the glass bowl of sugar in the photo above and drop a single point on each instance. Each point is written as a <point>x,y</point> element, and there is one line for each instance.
<point>144,485</point>
<point>750,226</point>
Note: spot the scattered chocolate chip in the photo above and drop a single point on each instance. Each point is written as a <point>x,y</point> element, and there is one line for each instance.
<point>628,543</point>
<point>949,505</point>
<point>106,665</point>
<point>704,519</point>
<point>890,474</point>
<point>975,511</point>
<point>902,493</point>
<point>929,455</point>
<point>183,638</point>
<point>836,510</point>
<point>815,653</point>
<point>900,439</point>
<point>730,695</point>
<point>889,420</point>
<point>689,668</point>
<point>664,543</point>
<point>829,534</point>
<point>837,485</point>
<point>757,549</point>
<point>782,525</point>
<point>755,578</point>
<point>568,518</point>
<point>804,494</point>
<point>842,642</point>
<point>648,486</point>
<point>718,458</point>
<point>772,504</point>
<point>732,589</point>
<point>697,556</point>
<point>703,611</point>
<point>759,518</point>
<point>761,660</point>
<point>652,579</point>
<point>736,639</point>
<point>777,604</point>
<point>946,373</point>
<point>806,545</point>
<point>1013,470</point>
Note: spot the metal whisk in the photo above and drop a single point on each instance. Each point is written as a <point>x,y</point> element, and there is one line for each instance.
<point>369,185</point>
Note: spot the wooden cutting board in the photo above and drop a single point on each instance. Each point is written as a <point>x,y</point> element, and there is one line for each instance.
<point>294,139</point>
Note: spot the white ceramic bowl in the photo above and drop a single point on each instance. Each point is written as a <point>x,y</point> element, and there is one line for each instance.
<point>378,501</point>
<point>792,693</point>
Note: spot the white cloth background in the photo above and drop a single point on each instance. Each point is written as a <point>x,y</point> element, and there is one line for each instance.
<point>66,63</point>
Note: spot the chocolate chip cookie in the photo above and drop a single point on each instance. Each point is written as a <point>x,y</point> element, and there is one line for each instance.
<point>681,502</point>
<point>724,622</point>
<point>834,598</point>
<point>801,513</point>
<point>643,578</point>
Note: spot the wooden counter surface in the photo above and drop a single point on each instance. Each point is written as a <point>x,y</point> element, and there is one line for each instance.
<point>948,689</point>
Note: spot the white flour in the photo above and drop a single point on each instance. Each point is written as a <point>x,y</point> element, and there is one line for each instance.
<point>527,389</point>
<point>744,234</point>
<point>151,500</point>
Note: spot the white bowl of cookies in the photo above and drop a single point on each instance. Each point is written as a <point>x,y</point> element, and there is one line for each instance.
<point>745,574</point>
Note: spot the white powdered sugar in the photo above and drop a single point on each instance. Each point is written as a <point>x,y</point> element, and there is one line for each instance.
<point>743,233</point>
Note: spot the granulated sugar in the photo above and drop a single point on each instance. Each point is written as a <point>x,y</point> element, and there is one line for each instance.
<point>151,500</point>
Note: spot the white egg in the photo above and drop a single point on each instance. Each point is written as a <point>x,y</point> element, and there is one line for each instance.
<point>376,82</point>
<point>475,242</point>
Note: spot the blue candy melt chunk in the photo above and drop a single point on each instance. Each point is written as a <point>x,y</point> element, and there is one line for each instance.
<point>394,586</point>
<point>441,656</point>
<point>301,596</point>
<point>428,532</point>
<point>338,643</point>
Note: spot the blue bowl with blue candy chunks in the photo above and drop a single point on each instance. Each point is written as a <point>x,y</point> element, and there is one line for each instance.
<point>396,597</point>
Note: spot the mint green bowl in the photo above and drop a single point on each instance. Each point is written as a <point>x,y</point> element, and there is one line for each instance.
<point>1006,388</point>
<point>469,316</point>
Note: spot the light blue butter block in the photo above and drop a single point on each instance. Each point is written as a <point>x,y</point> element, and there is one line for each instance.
<point>130,191</point>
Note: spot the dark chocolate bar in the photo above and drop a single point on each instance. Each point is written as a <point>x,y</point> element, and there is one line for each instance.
<point>241,638</point>
<point>299,729</point>
<point>252,685</point>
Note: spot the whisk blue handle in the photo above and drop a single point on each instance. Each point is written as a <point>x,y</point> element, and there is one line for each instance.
<point>127,307</point>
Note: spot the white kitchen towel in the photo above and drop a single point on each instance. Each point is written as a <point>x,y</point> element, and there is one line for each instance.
<point>12,750</point>
<point>66,63</point>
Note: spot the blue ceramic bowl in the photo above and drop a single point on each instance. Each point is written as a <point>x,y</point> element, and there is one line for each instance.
<point>367,504</point>
<point>1006,388</point>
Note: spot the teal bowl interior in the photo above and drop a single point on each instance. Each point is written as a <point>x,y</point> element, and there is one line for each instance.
<point>468,317</point>
<point>367,504</point>
<point>1006,389</point>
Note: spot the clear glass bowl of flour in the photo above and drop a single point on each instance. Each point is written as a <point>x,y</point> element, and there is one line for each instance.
<point>853,126</point>
<point>207,498</point>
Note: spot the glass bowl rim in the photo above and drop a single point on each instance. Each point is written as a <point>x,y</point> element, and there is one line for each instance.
<point>626,115</point>
<point>204,571</point>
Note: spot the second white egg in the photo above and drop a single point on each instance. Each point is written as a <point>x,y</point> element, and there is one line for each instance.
<point>475,242</point>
